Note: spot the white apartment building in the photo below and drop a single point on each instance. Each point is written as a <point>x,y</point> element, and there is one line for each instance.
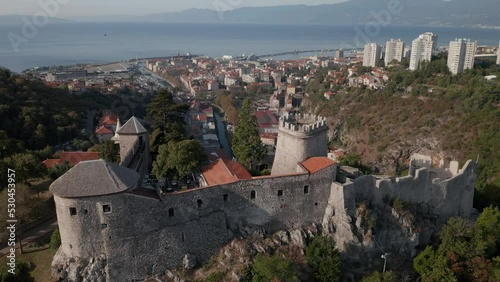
<point>461,55</point>
<point>422,48</point>
<point>394,50</point>
<point>371,55</point>
<point>498,55</point>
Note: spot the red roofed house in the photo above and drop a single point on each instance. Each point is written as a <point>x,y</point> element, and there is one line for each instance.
<point>268,123</point>
<point>104,133</point>
<point>222,172</point>
<point>72,157</point>
<point>107,126</point>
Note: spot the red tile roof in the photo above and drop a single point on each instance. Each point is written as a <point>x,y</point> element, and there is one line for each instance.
<point>109,118</point>
<point>50,163</point>
<point>224,171</point>
<point>103,130</point>
<point>72,157</point>
<point>316,164</point>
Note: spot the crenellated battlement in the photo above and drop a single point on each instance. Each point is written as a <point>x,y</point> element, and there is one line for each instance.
<point>303,123</point>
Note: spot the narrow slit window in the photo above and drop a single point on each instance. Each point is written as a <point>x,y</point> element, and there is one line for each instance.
<point>199,203</point>
<point>280,193</point>
<point>252,195</point>
<point>306,189</point>
<point>171,212</point>
<point>72,211</point>
<point>226,197</point>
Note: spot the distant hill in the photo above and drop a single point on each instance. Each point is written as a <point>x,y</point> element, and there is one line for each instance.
<point>423,12</point>
<point>18,19</point>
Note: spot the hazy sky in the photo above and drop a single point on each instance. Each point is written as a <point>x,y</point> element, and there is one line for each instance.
<point>140,7</point>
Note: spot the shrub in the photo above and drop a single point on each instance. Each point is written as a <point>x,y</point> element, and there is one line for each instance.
<point>269,268</point>
<point>55,240</point>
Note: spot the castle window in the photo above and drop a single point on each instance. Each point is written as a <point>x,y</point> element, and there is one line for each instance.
<point>106,208</point>
<point>85,211</point>
<point>72,211</point>
<point>183,238</point>
<point>171,212</point>
<point>306,189</point>
<point>104,225</point>
<point>280,193</point>
<point>225,196</point>
<point>200,203</point>
<point>252,195</point>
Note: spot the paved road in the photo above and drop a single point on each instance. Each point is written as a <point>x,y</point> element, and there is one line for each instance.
<point>47,227</point>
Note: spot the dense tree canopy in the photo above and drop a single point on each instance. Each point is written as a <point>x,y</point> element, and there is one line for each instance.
<point>179,159</point>
<point>466,252</point>
<point>108,151</point>
<point>324,258</point>
<point>168,118</point>
<point>246,143</point>
<point>387,276</point>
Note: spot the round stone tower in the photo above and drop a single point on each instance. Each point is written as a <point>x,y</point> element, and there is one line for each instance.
<point>300,136</point>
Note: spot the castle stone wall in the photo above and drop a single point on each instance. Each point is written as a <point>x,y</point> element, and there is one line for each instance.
<point>141,236</point>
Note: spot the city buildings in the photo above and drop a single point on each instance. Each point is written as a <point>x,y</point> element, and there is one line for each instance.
<point>422,49</point>
<point>394,50</point>
<point>371,55</point>
<point>461,55</point>
<point>339,54</point>
<point>498,55</point>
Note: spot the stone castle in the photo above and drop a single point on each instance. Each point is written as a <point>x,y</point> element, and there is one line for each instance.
<point>114,229</point>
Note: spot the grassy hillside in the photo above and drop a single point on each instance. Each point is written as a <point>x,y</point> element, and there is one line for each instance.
<point>454,117</point>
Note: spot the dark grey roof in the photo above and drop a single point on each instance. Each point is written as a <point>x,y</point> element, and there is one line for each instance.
<point>94,178</point>
<point>132,126</point>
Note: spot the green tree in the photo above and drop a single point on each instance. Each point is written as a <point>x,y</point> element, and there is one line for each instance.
<point>488,224</point>
<point>179,158</point>
<point>165,113</point>
<point>324,258</point>
<point>9,146</point>
<point>388,276</point>
<point>108,151</point>
<point>58,170</point>
<point>247,146</point>
<point>26,165</point>
<point>273,268</point>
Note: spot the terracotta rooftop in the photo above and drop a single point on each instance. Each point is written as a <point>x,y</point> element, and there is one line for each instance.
<point>103,130</point>
<point>224,171</point>
<point>316,164</point>
<point>72,157</point>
